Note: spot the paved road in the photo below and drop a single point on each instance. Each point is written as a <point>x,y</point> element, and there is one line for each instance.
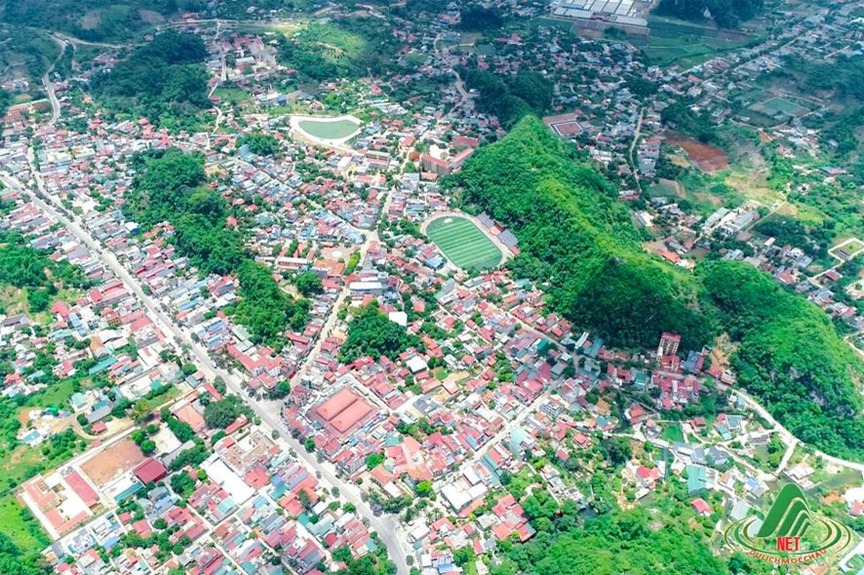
<point>269,412</point>
<point>49,85</point>
<point>636,135</point>
<point>789,438</point>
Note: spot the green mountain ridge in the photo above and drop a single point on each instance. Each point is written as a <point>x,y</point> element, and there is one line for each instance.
<point>577,241</point>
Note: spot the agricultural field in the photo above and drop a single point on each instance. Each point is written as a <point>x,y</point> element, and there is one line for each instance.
<point>687,45</point>
<point>768,109</point>
<point>464,243</point>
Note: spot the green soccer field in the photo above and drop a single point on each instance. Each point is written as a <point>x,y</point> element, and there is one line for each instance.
<point>463,243</point>
<point>328,130</point>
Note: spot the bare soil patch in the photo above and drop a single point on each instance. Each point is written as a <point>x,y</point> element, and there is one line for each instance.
<point>707,158</point>
<point>91,20</point>
<point>112,462</point>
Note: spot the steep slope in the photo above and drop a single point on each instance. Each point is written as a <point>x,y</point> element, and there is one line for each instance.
<point>790,357</point>
<point>579,242</point>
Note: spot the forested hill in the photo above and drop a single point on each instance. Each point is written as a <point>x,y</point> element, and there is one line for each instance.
<point>725,14</point>
<point>578,241</point>
<point>93,20</point>
<point>791,357</point>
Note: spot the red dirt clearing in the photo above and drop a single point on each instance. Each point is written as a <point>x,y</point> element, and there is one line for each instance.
<point>112,462</point>
<point>707,158</point>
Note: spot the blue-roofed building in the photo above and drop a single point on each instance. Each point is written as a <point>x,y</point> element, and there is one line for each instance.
<point>435,262</point>
<point>134,488</point>
<point>78,401</point>
<point>697,478</point>
<point>594,350</point>
<point>102,365</point>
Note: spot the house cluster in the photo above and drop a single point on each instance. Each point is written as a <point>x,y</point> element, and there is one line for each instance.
<point>250,507</point>
<point>99,336</point>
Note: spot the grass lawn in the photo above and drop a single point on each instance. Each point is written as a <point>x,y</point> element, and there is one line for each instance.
<point>464,243</point>
<point>831,481</point>
<point>24,462</point>
<point>148,404</point>
<point>328,130</point>
<point>18,525</point>
<point>673,433</point>
<point>56,395</point>
<point>13,300</point>
<point>232,94</point>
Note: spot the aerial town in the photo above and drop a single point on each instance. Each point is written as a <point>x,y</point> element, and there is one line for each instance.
<point>421,405</point>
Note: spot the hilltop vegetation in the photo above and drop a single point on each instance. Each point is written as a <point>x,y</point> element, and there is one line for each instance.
<point>725,13</point>
<point>790,357</point>
<point>619,542</point>
<point>93,20</point>
<point>578,241</point>
<point>265,308</point>
<point>171,187</point>
<point>162,80</point>
<point>341,48</point>
<point>512,99</point>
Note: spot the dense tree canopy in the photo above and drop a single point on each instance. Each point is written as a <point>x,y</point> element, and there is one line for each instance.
<point>220,414</point>
<point>477,18</point>
<point>13,560</point>
<point>790,357</point>
<point>94,20</point>
<point>578,241</point>
<point>725,13</point>
<point>35,272</point>
<point>265,309</point>
<point>511,99</point>
<point>162,80</point>
<point>680,117</point>
<point>371,333</point>
<point>6,100</point>
<point>620,542</point>
<point>260,144</point>
<point>170,186</point>
<point>308,283</point>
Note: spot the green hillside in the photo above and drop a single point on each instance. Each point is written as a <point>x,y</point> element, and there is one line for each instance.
<point>791,357</point>
<point>93,20</point>
<point>578,241</point>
